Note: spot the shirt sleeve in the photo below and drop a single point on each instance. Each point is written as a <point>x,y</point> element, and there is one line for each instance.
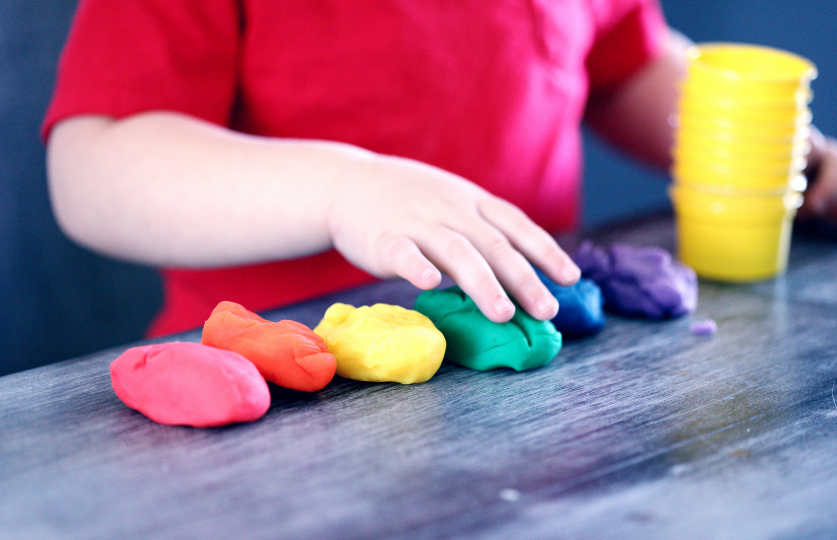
<point>625,43</point>
<point>123,57</point>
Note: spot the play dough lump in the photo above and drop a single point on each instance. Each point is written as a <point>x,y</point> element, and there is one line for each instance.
<point>189,384</point>
<point>478,343</point>
<point>639,281</point>
<point>580,311</point>
<point>382,343</point>
<point>286,353</point>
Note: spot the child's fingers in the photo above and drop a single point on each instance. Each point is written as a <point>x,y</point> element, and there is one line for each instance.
<point>406,260</point>
<point>488,268</point>
<point>514,272</point>
<point>530,292</point>
<point>538,246</point>
<point>438,222</point>
<point>821,198</point>
<point>456,255</point>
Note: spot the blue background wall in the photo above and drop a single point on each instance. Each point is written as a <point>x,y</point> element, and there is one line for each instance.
<point>60,301</point>
<point>56,300</point>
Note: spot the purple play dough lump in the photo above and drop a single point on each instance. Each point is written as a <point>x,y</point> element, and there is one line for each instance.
<point>704,328</point>
<point>639,281</point>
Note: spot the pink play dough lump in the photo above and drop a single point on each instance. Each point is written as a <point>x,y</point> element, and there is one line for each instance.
<point>190,384</point>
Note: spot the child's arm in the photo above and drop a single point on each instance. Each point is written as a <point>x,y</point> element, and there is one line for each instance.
<point>821,196</point>
<point>638,116</point>
<point>169,190</point>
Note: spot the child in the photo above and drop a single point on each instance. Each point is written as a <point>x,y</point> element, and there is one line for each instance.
<point>268,152</point>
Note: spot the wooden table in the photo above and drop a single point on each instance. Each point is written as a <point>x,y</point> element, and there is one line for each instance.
<point>643,431</point>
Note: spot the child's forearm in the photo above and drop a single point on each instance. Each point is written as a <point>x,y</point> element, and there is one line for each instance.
<point>169,190</point>
<point>166,189</point>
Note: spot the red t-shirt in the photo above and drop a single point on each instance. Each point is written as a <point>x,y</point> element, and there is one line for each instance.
<point>492,90</point>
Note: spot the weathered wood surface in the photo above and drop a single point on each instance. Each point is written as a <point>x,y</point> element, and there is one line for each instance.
<point>644,431</point>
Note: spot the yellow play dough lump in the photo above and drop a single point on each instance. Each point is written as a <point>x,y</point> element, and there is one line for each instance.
<point>382,343</point>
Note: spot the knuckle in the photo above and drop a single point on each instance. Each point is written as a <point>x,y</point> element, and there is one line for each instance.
<point>386,247</point>
<point>497,247</point>
<point>457,247</point>
<point>390,252</point>
<point>487,285</point>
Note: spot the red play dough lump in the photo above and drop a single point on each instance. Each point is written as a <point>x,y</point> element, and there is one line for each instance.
<point>287,353</point>
<point>190,384</point>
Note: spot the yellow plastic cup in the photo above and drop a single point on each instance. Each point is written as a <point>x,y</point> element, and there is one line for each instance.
<point>720,95</point>
<point>779,114</point>
<point>725,182</point>
<point>736,238</point>
<point>707,143</point>
<point>738,164</point>
<point>722,128</point>
<point>748,71</point>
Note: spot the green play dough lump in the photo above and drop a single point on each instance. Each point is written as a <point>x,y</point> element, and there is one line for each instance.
<point>477,343</point>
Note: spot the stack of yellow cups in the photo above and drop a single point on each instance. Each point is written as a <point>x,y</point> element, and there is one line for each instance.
<point>740,148</point>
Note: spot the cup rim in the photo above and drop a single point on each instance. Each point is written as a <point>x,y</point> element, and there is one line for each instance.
<point>679,169</point>
<point>749,102</point>
<point>730,131</point>
<point>746,93</point>
<point>735,208</point>
<point>702,138</point>
<point>694,121</point>
<point>700,57</point>
<point>795,185</point>
<point>739,166</point>
<point>732,151</point>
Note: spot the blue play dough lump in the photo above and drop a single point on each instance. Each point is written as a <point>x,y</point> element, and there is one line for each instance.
<point>580,311</point>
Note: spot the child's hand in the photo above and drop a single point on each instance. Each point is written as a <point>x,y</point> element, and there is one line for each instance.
<point>821,196</point>
<point>398,217</point>
<point>166,189</point>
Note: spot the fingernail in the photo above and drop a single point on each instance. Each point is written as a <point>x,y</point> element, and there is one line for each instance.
<point>571,273</point>
<point>503,305</point>
<point>547,306</point>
